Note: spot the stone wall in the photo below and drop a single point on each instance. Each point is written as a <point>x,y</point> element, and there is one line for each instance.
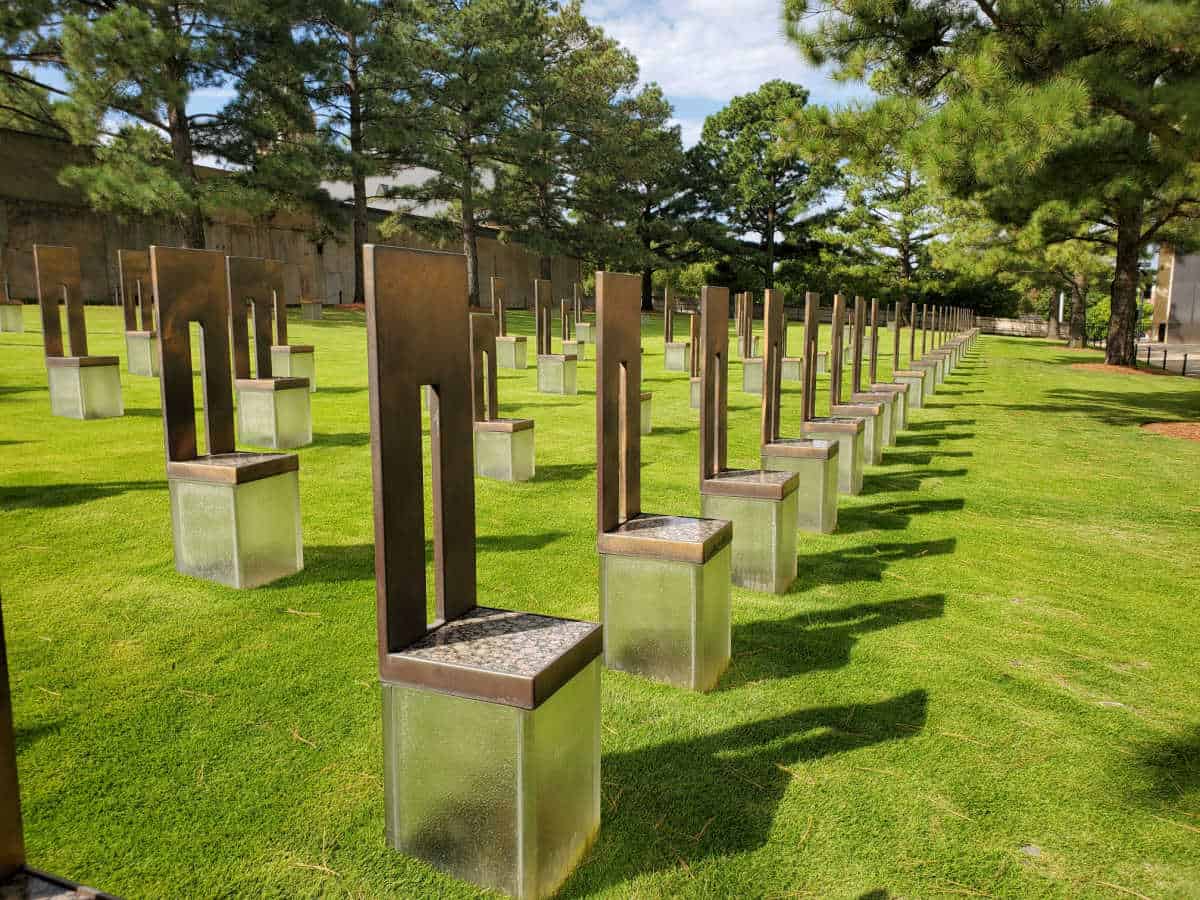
<point>1026,326</point>
<point>36,208</point>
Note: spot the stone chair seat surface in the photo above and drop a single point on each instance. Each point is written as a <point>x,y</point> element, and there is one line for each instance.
<point>834,423</point>
<point>908,373</point>
<point>142,334</point>
<point>80,362</point>
<point>560,357</point>
<point>270,384</point>
<point>888,388</point>
<point>234,468</point>
<point>292,348</point>
<point>501,656</point>
<point>857,408</point>
<point>507,426</point>
<point>679,538</point>
<point>757,484</point>
<point>802,448</point>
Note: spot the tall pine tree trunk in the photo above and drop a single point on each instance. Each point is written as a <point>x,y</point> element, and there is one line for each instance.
<point>358,176</point>
<point>181,151</point>
<point>1122,328</point>
<point>470,241</point>
<point>1078,319</point>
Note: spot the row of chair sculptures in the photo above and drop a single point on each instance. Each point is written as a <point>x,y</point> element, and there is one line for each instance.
<point>512,803</point>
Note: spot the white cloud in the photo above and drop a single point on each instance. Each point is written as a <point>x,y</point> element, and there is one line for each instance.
<point>707,51</point>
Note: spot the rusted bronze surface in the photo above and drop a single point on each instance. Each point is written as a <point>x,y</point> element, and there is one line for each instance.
<point>499,301</point>
<point>912,333</point>
<point>746,346</point>
<point>190,286</point>
<point>543,315</point>
<point>564,319</point>
<point>618,408</point>
<point>577,293</point>
<point>234,468</point>
<point>802,448</point>
<point>12,836</point>
<point>485,398</point>
<point>56,271</point>
<point>774,349</point>
<point>79,362</point>
<point>834,423</point>
<point>755,484</point>
<point>668,315</point>
<point>873,368</point>
<point>678,538</point>
<point>837,341</point>
<point>924,326</point>
<point>418,334</point>
<point>714,380</point>
<point>856,342</point>
<point>507,426</point>
<point>812,327</point>
<point>896,338</point>
<point>257,283</point>
<point>133,269</point>
<point>269,384</point>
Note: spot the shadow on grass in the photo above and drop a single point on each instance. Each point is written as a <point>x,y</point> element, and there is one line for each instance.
<point>346,439</point>
<point>143,412</point>
<point>902,482</point>
<point>942,393</point>
<point>1118,407</point>
<point>933,426</point>
<point>933,438</point>
<point>564,472</point>
<point>5,391</point>
<point>821,640</point>
<point>894,516</point>
<point>340,391</point>
<point>1173,765</point>
<point>671,430</point>
<point>865,563</point>
<point>336,563</point>
<point>917,458</point>
<point>692,799</point>
<point>46,496</point>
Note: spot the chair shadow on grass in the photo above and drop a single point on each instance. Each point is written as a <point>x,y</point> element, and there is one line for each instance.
<point>670,430</point>
<point>46,496</point>
<point>1118,407</point>
<point>819,640</point>
<point>917,458</point>
<point>343,439</point>
<point>894,516</point>
<point>564,472</point>
<point>935,426</point>
<point>864,563</point>
<point>341,390</point>
<point>1173,767</point>
<point>932,438</point>
<point>337,563</point>
<point>142,412</point>
<point>688,800</point>
<point>900,482</point>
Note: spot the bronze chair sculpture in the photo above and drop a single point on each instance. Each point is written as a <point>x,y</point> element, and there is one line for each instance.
<point>271,412</point>
<point>899,392</point>
<point>12,315</point>
<point>556,371</point>
<point>81,386</point>
<point>511,352</point>
<point>872,413</point>
<point>752,360</point>
<point>491,718</point>
<point>858,395</point>
<point>583,328</point>
<point>141,340</point>
<point>504,448</point>
<point>664,580</point>
<point>235,516</point>
<point>675,353</point>
<point>815,461</point>
<point>916,375</point>
<point>848,431</point>
<point>695,357</point>
<point>290,360</point>
<point>761,504</point>
<point>567,325</point>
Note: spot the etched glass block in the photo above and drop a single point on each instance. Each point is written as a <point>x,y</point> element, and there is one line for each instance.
<point>752,370</point>
<point>286,363</point>
<point>665,619</point>
<point>502,797</point>
<point>850,456</point>
<point>279,419</point>
<point>510,352</point>
<point>556,375</point>
<point>312,311</point>
<point>675,357</point>
<point>583,333</point>
<point>239,535</point>
<point>764,539</point>
<point>872,433</point>
<point>816,494</point>
<point>694,398</point>
<point>505,455</point>
<point>647,422</point>
<point>86,392</point>
<point>141,348</point>
<point>791,370</point>
<point>916,391</point>
<point>886,427</point>
<point>11,317</point>
<point>578,348</point>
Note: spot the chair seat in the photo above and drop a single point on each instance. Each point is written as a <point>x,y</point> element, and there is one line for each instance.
<point>79,362</point>
<point>758,484</point>
<point>832,423</point>
<point>234,468</point>
<point>679,538</point>
<point>802,448</point>
<point>505,425</point>
<point>270,384</point>
<point>501,656</point>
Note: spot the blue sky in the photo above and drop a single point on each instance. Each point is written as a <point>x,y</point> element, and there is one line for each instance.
<point>704,52</point>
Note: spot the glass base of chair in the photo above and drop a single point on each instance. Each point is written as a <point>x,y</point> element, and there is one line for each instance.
<point>815,463</point>
<point>675,356</point>
<point>647,417</point>
<point>12,318</point>
<point>556,374</point>
<point>235,518</point>
<point>141,350</point>
<point>504,449</point>
<point>273,412</point>
<point>764,527</point>
<point>752,376</point>
<point>848,433</point>
<point>295,361</point>
<point>872,417</point>
<point>85,387</point>
<point>511,352</point>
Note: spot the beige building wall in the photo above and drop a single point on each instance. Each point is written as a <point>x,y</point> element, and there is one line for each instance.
<point>36,208</point>
<point>1176,318</point>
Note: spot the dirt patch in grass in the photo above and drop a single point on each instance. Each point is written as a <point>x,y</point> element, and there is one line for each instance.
<point>1117,370</point>
<point>1188,431</point>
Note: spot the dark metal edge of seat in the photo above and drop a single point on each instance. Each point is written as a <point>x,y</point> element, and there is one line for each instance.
<point>469,682</point>
<point>286,383</point>
<point>505,425</point>
<point>693,552</point>
<point>81,362</point>
<point>200,470</point>
<point>719,487</point>
<point>294,348</point>
<point>835,424</point>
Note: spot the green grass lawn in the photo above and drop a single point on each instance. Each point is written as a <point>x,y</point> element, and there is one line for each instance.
<point>985,684</point>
